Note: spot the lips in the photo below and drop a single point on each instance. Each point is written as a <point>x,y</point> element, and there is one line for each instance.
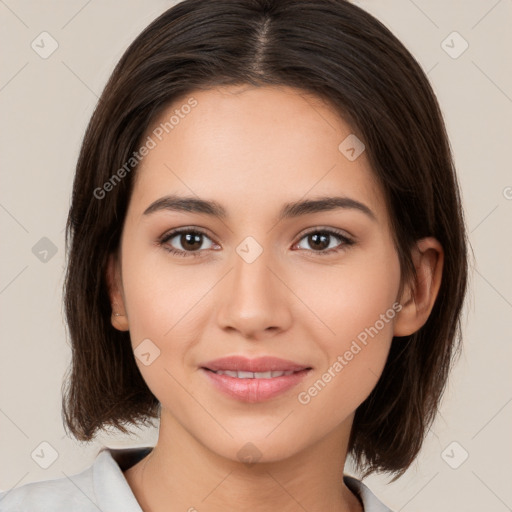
<point>256,365</point>
<point>254,380</point>
<point>253,375</point>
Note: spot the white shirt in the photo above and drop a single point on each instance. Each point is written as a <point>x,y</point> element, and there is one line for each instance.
<point>102,487</point>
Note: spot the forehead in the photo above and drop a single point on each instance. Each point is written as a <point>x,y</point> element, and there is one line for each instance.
<point>258,146</point>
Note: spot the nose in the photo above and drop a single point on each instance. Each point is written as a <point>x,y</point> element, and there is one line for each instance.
<point>254,299</point>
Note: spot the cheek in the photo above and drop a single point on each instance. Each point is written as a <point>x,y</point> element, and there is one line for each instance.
<point>160,296</point>
<point>354,360</point>
<point>352,297</point>
<point>165,305</point>
<point>163,308</point>
<point>357,308</point>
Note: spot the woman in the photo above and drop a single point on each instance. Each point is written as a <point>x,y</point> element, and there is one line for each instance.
<point>267,253</point>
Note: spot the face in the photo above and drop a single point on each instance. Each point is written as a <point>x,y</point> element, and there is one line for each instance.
<point>314,285</point>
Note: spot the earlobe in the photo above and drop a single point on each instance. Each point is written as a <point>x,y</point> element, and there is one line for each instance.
<point>119,318</point>
<point>420,294</point>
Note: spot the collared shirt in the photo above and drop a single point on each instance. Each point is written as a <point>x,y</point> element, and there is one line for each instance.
<point>103,487</point>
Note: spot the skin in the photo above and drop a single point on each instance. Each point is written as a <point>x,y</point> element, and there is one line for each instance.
<point>253,150</point>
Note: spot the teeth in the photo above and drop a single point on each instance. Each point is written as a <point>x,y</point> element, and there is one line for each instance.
<point>245,375</point>
<point>253,375</point>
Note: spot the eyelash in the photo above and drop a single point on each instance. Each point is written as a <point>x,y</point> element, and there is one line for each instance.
<point>345,241</point>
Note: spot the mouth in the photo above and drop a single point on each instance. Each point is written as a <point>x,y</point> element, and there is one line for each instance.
<point>257,366</point>
<point>254,380</point>
<point>253,375</point>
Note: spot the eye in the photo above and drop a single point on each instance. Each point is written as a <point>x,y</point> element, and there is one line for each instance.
<point>189,242</point>
<point>322,239</point>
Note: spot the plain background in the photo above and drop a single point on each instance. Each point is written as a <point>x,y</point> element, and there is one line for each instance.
<point>46,104</point>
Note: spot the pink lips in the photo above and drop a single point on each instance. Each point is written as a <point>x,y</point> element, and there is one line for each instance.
<point>254,389</point>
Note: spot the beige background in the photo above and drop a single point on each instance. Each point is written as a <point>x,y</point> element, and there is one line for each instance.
<point>45,105</point>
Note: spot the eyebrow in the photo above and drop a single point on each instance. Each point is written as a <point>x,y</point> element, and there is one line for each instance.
<point>289,210</point>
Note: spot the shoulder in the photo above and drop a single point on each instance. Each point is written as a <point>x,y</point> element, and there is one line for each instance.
<point>74,492</point>
<point>370,502</point>
<point>101,486</point>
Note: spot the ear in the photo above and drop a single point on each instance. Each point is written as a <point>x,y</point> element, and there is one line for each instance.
<point>419,295</point>
<point>119,318</point>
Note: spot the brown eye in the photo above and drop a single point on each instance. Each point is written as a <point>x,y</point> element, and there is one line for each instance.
<point>326,241</point>
<point>190,241</point>
<point>185,242</point>
<point>319,240</point>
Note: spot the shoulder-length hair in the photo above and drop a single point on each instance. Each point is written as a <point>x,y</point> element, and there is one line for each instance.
<point>343,55</point>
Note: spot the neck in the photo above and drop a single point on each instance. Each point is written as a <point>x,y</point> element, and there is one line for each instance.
<point>182,474</point>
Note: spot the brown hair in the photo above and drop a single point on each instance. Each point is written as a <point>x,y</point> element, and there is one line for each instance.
<point>342,54</point>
